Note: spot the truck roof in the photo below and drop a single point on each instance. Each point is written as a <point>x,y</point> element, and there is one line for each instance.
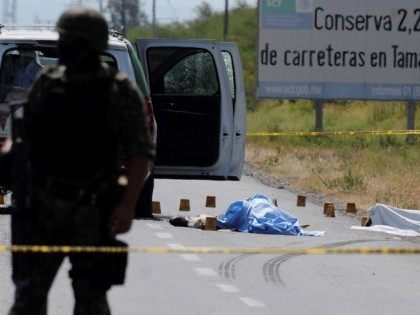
<point>25,36</point>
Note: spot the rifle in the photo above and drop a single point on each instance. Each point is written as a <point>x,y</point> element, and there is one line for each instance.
<point>5,156</point>
<point>14,174</point>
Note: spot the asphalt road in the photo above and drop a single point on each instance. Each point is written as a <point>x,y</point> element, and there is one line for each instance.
<point>248,284</point>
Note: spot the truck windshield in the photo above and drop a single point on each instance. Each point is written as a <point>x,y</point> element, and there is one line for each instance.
<point>18,70</point>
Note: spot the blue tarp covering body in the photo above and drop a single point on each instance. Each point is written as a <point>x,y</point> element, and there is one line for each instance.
<point>259,215</point>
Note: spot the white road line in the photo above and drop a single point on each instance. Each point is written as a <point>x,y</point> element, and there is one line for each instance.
<point>251,302</point>
<point>228,288</point>
<point>190,257</point>
<point>175,246</point>
<point>206,272</point>
<point>164,235</point>
<point>154,226</point>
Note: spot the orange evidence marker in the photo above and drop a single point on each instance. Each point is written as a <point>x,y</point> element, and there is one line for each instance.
<point>365,221</point>
<point>184,205</point>
<point>211,224</point>
<point>301,201</point>
<point>211,202</point>
<point>156,207</point>
<point>326,206</point>
<point>351,207</point>
<point>330,211</point>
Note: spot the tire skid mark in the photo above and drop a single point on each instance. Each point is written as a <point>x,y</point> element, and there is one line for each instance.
<point>227,269</point>
<point>271,269</point>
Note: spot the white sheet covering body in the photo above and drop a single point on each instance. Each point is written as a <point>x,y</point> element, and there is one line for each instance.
<point>393,220</point>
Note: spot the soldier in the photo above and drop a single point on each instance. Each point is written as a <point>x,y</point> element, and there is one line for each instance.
<point>80,115</point>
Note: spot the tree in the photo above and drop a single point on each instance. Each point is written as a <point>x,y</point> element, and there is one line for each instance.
<point>241,4</point>
<point>126,13</point>
<point>203,10</point>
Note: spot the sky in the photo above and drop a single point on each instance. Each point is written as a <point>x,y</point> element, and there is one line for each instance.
<point>47,11</point>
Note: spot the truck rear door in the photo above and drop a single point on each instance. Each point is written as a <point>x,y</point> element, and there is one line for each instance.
<point>192,105</point>
<point>233,64</point>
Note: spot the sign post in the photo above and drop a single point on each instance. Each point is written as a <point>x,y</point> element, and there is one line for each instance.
<point>411,117</point>
<point>319,116</point>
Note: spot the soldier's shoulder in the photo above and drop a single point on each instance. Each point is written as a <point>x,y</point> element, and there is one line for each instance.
<point>122,78</point>
<point>53,72</point>
<point>46,79</point>
<point>118,77</point>
<point>125,84</point>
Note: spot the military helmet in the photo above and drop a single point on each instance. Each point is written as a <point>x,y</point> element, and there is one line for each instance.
<point>85,23</point>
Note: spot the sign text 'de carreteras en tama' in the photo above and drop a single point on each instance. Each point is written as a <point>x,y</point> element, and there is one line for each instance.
<point>339,49</point>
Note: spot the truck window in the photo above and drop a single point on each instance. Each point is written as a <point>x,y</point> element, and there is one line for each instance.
<point>193,75</point>
<point>182,71</point>
<point>18,71</point>
<point>227,58</point>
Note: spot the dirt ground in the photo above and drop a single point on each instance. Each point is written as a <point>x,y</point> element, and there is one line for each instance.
<point>320,176</point>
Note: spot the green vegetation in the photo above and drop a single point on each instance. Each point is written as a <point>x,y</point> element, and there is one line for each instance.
<point>274,116</point>
<point>361,169</point>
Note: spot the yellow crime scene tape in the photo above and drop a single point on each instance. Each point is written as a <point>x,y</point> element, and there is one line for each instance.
<point>205,250</point>
<point>334,133</point>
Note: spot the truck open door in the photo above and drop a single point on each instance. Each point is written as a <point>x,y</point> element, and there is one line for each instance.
<point>192,105</point>
<point>233,64</point>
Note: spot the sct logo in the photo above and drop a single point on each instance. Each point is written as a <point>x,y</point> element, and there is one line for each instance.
<point>280,5</point>
<point>288,6</point>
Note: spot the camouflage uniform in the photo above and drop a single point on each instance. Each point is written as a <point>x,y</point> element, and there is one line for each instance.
<point>58,216</point>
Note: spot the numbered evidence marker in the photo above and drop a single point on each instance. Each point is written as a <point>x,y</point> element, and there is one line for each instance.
<point>156,207</point>
<point>351,208</point>
<point>210,224</point>
<point>326,206</point>
<point>330,211</point>
<point>211,202</point>
<point>364,221</point>
<point>184,205</point>
<point>301,201</point>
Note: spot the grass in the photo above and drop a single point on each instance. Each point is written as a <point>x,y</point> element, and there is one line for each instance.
<point>360,169</point>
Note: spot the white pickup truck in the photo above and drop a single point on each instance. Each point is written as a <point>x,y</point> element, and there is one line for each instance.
<point>194,88</point>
